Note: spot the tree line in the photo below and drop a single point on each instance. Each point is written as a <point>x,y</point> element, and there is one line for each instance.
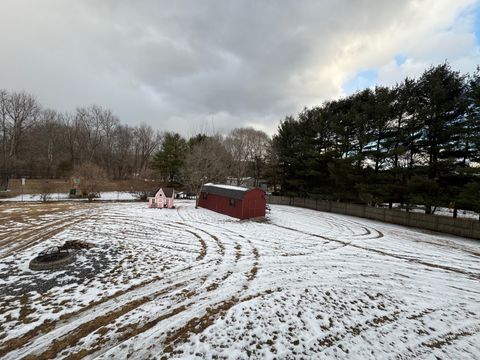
<point>44,143</point>
<point>236,157</point>
<point>414,143</point>
<point>417,142</point>
<point>40,142</point>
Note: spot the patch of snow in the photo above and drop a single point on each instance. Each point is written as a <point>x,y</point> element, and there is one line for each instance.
<point>192,283</point>
<point>230,187</point>
<point>441,211</point>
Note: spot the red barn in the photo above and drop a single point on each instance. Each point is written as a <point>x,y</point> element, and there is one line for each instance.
<point>234,201</point>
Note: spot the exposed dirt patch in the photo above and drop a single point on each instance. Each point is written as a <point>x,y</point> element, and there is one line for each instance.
<point>48,325</point>
<point>446,339</point>
<point>199,324</point>
<point>89,327</point>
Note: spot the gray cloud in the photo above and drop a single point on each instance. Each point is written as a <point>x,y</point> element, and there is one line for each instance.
<point>177,65</point>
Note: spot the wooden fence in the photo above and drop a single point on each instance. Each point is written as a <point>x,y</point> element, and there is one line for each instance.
<point>460,227</point>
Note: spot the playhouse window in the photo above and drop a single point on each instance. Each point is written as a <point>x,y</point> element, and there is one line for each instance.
<point>231,202</point>
<point>204,195</point>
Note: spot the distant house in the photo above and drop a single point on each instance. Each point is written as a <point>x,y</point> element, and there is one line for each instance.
<point>181,195</point>
<point>235,201</point>
<point>160,198</point>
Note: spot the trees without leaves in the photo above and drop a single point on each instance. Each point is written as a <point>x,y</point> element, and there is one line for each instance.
<point>44,143</point>
<point>206,161</point>
<point>247,148</point>
<point>19,113</point>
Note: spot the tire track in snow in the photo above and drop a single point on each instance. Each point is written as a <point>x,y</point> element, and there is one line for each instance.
<point>205,303</point>
<point>250,275</point>
<point>39,235</point>
<point>388,254</point>
<point>221,252</point>
<point>28,336</point>
<point>108,308</point>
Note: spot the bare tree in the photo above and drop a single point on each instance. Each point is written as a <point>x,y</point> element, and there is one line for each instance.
<point>109,124</point>
<point>146,142</point>
<point>247,148</point>
<point>5,126</point>
<point>122,161</point>
<point>207,161</point>
<point>237,145</point>
<point>19,112</point>
<point>71,123</point>
<point>49,141</point>
<point>90,122</point>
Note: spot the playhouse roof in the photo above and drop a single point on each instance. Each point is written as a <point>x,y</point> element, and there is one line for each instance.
<point>235,192</point>
<point>153,193</point>
<point>167,191</point>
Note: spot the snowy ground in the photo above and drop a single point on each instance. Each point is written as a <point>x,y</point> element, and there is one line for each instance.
<point>442,211</point>
<point>190,283</point>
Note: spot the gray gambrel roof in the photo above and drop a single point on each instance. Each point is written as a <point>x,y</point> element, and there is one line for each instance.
<point>234,192</point>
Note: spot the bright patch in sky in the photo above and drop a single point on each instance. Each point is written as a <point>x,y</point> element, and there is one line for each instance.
<point>363,79</point>
<point>477,24</point>
<point>400,59</point>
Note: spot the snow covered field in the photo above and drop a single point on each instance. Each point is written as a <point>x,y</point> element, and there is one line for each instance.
<point>190,283</point>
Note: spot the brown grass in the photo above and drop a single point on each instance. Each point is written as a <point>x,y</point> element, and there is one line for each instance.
<point>196,325</point>
<point>446,340</point>
<point>203,250</point>
<point>199,324</point>
<point>73,337</point>
<point>29,238</point>
<point>214,286</point>
<point>32,212</point>
<point>238,252</point>
<point>49,325</point>
<point>253,271</point>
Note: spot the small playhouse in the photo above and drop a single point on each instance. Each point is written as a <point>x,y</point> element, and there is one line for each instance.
<point>235,201</point>
<point>160,198</point>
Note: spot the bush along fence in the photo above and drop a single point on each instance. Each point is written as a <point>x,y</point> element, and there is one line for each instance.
<point>460,227</point>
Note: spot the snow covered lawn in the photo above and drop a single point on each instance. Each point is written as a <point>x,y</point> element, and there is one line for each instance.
<point>190,283</point>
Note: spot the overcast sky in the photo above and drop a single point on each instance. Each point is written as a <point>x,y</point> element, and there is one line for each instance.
<point>184,65</point>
